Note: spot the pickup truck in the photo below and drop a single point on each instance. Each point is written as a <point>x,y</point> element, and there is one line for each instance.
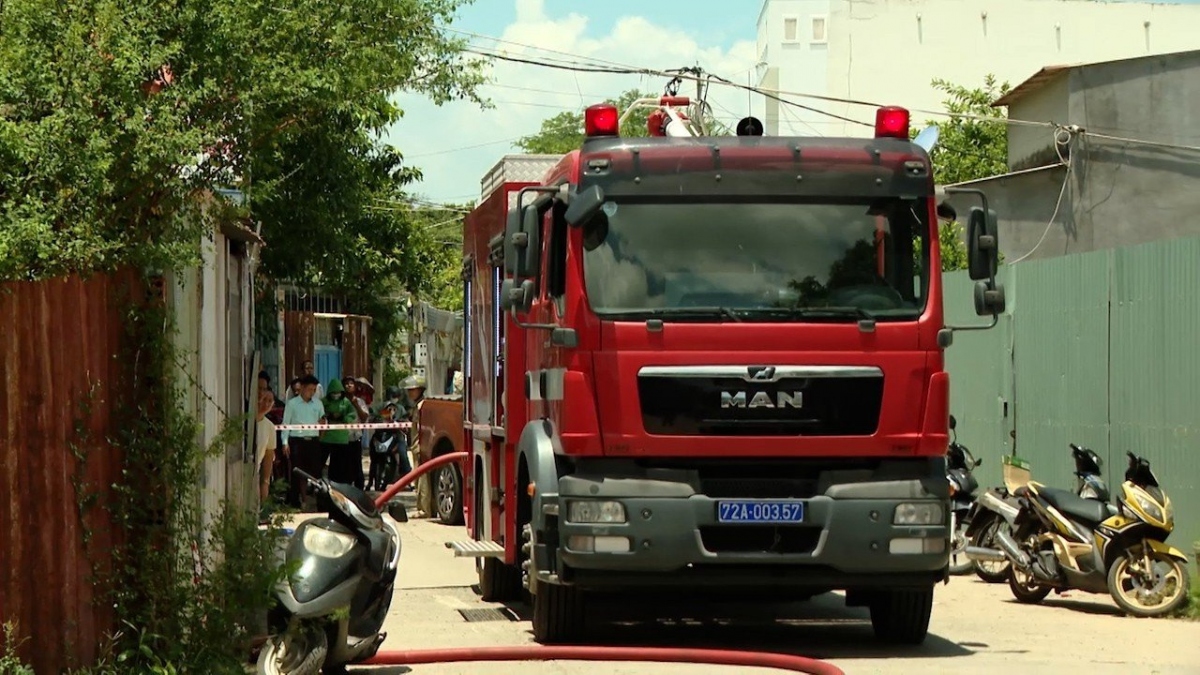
<point>439,432</point>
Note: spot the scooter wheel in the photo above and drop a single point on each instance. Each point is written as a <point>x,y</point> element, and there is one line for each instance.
<point>294,653</point>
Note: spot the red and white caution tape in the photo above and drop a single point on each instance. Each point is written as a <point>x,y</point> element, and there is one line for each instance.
<point>347,427</point>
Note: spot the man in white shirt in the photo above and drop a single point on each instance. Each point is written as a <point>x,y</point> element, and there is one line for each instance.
<point>304,446</point>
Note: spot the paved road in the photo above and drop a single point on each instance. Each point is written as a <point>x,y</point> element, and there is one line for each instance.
<point>976,628</point>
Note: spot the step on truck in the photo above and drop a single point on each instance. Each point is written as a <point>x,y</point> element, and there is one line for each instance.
<point>714,366</point>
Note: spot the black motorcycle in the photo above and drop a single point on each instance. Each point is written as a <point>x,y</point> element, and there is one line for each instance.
<point>330,611</point>
<point>996,510</point>
<point>960,464</point>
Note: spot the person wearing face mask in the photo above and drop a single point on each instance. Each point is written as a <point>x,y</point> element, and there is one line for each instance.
<point>336,442</point>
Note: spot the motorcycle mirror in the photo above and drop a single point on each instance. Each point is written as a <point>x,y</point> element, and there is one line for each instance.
<point>953,423</point>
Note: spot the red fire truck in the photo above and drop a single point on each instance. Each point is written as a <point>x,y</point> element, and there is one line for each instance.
<point>712,365</point>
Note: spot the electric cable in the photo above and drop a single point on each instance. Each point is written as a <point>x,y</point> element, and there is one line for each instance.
<point>1059,143</point>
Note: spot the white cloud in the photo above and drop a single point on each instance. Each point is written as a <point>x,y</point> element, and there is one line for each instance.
<point>427,132</point>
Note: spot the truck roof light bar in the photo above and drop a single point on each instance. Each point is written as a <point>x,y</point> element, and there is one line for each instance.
<point>891,122</point>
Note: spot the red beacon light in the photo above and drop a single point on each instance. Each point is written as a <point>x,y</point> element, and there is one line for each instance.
<point>601,119</point>
<point>891,122</point>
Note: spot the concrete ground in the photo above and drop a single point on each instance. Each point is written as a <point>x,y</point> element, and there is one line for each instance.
<point>976,628</point>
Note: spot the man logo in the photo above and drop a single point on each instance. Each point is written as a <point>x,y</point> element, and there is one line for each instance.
<point>761,399</point>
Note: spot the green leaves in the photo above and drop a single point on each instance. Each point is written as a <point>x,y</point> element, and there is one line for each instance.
<point>116,117</point>
<point>968,149</point>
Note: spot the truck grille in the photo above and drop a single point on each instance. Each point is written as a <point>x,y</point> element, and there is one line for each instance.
<point>728,405</point>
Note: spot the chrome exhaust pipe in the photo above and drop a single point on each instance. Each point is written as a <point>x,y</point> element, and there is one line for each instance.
<point>980,554</point>
<point>995,504</point>
<point>1012,550</point>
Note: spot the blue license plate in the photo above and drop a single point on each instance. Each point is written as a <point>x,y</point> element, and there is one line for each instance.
<point>760,511</point>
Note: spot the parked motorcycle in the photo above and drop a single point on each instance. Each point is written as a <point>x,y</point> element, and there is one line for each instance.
<point>960,464</point>
<point>996,509</point>
<point>330,611</point>
<point>1063,541</point>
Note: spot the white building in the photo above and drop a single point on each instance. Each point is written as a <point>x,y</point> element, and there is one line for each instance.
<point>888,51</point>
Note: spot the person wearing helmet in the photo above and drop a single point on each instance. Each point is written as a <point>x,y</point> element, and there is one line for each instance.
<point>414,387</point>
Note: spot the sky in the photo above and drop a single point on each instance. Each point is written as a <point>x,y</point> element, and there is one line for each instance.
<point>456,144</point>
<point>637,33</point>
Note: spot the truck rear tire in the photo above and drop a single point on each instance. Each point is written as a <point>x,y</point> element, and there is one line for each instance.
<point>499,582</point>
<point>558,614</point>
<point>902,616</point>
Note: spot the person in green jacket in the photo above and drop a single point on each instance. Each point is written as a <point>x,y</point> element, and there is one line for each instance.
<point>339,410</point>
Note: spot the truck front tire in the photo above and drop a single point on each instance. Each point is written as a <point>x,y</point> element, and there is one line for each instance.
<point>558,614</point>
<point>902,616</point>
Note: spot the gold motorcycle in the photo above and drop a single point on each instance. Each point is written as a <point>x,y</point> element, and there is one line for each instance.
<point>1061,541</point>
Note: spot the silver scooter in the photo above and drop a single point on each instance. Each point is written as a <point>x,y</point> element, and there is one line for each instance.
<point>330,610</point>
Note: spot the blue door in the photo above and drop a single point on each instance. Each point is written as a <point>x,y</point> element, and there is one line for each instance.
<point>328,360</point>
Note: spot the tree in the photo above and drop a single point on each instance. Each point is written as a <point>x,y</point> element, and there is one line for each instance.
<point>116,117</point>
<point>563,132</point>
<point>968,149</point>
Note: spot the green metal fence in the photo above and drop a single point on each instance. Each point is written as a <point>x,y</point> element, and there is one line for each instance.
<point>1101,349</point>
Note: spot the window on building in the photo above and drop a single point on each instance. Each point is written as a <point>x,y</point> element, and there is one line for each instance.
<point>790,30</point>
<point>818,30</point>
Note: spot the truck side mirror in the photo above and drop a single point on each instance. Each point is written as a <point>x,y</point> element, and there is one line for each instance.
<point>516,295</point>
<point>564,337</point>
<point>989,298</point>
<point>983,244</point>
<point>528,243</point>
<point>584,205</point>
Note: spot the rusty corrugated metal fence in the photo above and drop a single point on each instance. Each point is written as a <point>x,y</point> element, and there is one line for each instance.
<point>60,342</point>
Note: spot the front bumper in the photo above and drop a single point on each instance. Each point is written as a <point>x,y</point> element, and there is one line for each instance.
<point>845,540</point>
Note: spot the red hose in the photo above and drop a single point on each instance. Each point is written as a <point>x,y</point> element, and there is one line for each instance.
<point>402,482</point>
<point>716,657</point>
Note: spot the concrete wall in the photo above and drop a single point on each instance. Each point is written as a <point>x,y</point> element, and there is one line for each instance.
<point>1030,146</point>
<point>888,51</point>
<point>1120,193</point>
<point>1024,203</point>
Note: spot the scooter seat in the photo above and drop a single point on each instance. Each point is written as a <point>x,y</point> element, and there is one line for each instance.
<point>1090,511</point>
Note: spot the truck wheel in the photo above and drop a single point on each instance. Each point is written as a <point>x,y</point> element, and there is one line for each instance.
<point>498,582</point>
<point>902,616</point>
<point>448,494</point>
<point>558,614</point>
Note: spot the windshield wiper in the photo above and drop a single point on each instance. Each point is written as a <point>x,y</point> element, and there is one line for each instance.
<point>866,320</point>
<point>694,312</point>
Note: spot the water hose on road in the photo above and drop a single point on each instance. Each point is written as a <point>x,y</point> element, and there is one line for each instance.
<point>715,657</point>
<point>407,479</point>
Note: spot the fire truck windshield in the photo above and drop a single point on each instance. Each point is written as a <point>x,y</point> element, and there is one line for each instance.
<point>766,261</point>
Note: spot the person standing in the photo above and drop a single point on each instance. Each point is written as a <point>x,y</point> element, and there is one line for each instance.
<point>303,446</point>
<point>363,415</point>
<point>309,369</point>
<point>336,442</point>
<point>415,390</point>
<point>265,440</point>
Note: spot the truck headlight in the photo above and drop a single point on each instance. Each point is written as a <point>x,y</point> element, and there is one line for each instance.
<point>922,513</point>
<point>595,512</point>
<point>326,543</point>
